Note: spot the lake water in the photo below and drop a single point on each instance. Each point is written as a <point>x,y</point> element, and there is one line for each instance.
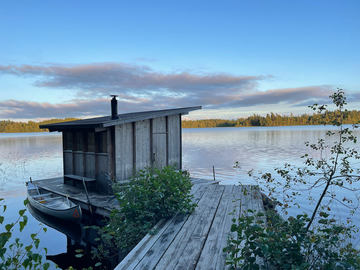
<point>39,155</point>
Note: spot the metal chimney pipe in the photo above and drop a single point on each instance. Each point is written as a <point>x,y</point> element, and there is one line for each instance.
<point>114,108</point>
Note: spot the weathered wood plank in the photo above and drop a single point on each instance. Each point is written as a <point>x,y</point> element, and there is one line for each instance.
<point>156,252</point>
<point>174,140</point>
<point>142,142</point>
<point>138,252</point>
<point>138,258</point>
<point>159,142</point>
<point>90,170</point>
<point>124,164</point>
<point>257,204</point>
<point>212,256</point>
<point>196,241</point>
<point>187,244</point>
<point>78,163</point>
<point>68,162</point>
<point>197,181</point>
<point>238,196</point>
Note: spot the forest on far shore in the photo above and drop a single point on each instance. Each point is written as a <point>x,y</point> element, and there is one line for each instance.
<point>273,120</point>
<point>255,120</point>
<point>8,126</point>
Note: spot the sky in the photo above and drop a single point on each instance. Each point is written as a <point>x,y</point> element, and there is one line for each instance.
<point>65,58</point>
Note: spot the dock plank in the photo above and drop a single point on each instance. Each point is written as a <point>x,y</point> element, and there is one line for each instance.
<point>196,241</point>
<point>143,255</point>
<point>218,235</point>
<point>189,240</point>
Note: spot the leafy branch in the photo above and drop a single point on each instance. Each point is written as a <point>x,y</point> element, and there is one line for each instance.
<point>20,255</point>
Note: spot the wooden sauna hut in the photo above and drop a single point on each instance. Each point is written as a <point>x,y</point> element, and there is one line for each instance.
<point>118,145</point>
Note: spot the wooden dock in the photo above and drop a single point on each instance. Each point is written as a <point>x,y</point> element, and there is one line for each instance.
<point>195,241</point>
<point>101,204</point>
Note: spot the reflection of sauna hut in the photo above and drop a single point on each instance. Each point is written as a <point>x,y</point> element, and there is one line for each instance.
<point>117,145</point>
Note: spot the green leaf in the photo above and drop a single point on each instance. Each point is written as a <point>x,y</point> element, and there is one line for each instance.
<point>4,237</point>
<point>2,252</point>
<point>22,225</point>
<point>21,212</point>
<point>79,255</point>
<point>324,214</point>
<point>8,227</point>
<point>26,201</point>
<point>323,221</point>
<point>26,262</point>
<point>46,266</point>
<point>28,248</point>
<point>36,243</point>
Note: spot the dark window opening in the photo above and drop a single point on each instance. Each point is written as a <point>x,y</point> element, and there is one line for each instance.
<point>79,141</point>
<point>68,141</point>
<point>102,146</point>
<point>90,142</point>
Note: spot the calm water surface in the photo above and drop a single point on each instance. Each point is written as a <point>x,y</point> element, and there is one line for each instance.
<point>39,155</point>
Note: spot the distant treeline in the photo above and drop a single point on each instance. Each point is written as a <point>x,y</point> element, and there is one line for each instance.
<point>31,126</point>
<point>273,120</point>
<point>251,121</point>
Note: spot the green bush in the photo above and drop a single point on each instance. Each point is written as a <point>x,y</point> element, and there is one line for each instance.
<point>150,196</point>
<point>287,244</point>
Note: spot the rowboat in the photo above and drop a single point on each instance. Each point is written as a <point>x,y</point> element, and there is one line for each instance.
<point>53,204</point>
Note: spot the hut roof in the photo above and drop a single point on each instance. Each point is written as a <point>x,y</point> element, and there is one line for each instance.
<point>107,121</point>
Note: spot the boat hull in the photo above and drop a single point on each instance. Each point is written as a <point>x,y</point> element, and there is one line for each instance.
<point>53,204</point>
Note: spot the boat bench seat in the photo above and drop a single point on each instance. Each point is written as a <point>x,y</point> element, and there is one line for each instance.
<point>77,181</point>
<point>41,195</point>
<point>48,199</point>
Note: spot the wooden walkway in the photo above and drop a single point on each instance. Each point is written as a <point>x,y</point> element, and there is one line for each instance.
<point>195,241</point>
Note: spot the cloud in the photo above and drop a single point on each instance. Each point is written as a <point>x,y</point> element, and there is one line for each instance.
<point>299,96</point>
<point>101,79</point>
<point>141,88</point>
<point>136,84</point>
<point>83,108</point>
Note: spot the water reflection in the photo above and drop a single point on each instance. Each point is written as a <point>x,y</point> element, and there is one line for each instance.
<point>40,156</point>
<point>25,155</point>
<point>79,240</point>
<point>258,148</point>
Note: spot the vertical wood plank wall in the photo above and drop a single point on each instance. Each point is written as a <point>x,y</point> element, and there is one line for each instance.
<point>68,162</point>
<point>142,143</point>
<point>159,137</point>
<point>90,166</point>
<point>155,142</point>
<point>130,147</point>
<point>174,140</point>
<point>124,151</point>
<point>78,163</point>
